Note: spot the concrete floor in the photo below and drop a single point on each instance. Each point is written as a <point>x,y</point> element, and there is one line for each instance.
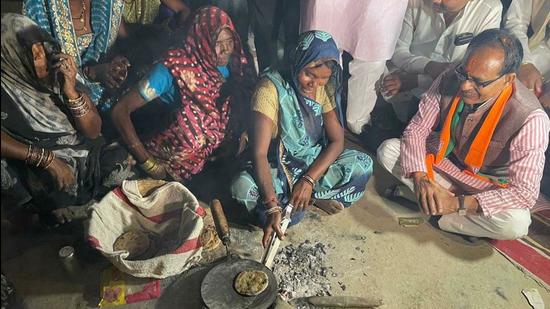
<point>414,267</point>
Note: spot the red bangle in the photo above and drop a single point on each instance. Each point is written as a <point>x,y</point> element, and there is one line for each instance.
<point>271,200</point>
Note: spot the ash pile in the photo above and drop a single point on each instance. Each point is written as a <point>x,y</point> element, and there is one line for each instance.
<point>302,272</point>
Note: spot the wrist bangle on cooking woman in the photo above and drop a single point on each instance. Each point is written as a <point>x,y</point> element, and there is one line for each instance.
<point>310,180</point>
<point>271,200</point>
<point>272,210</point>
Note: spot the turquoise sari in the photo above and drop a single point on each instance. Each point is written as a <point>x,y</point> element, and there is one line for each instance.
<point>302,138</point>
<point>54,16</point>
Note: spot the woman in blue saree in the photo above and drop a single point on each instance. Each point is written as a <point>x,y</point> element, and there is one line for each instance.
<point>298,141</point>
<point>85,29</point>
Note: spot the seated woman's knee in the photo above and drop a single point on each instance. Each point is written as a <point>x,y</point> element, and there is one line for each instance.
<point>365,161</point>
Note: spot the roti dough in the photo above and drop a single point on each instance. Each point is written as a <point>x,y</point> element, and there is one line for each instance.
<point>251,282</point>
<point>135,242</point>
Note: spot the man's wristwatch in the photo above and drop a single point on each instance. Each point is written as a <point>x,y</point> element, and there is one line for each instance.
<point>462,210</point>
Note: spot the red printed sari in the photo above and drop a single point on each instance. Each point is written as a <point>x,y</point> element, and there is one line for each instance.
<point>201,121</point>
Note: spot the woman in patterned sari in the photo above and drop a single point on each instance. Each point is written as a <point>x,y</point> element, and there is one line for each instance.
<point>51,148</point>
<point>198,86</point>
<point>298,141</point>
<point>86,29</point>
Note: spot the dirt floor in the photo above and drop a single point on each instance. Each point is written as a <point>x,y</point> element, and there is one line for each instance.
<point>407,267</point>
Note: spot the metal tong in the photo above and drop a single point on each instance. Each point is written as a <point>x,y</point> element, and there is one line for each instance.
<point>275,242</point>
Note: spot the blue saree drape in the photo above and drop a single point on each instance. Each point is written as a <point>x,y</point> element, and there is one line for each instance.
<point>302,138</point>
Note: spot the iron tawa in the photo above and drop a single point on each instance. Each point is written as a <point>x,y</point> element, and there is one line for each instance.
<point>218,292</point>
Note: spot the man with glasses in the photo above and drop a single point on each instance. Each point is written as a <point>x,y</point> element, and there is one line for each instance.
<point>474,153</point>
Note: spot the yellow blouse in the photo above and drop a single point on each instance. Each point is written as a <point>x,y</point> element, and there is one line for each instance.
<point>265,100</point>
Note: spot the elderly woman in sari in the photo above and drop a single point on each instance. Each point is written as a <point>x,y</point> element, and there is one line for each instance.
<point>50,130</point>
<point>298,140</point>
<point>86,30</point>
<point>199,83</point>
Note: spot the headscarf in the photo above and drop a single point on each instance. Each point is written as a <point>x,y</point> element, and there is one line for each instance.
<point>301,131</point>
<point>19,80</point>
<point>203,116</point>
<point>313,46</point>
<point>55,17</point>
<point>32,113</point>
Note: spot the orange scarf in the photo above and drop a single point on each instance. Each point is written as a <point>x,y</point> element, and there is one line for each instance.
<point>476,154</point>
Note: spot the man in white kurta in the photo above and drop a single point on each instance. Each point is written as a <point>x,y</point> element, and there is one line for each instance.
<point>434,36</point>
<point>534,72</point>
<point>368,30</point>
<point>535,69</point>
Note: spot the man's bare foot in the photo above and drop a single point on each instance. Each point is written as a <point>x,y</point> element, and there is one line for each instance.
<point>331,207</point>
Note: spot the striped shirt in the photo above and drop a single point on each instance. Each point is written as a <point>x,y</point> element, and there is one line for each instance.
<point>526,157</point>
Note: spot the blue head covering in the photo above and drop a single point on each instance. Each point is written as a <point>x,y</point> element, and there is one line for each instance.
<point>313,46</point>
<point>302,136</point>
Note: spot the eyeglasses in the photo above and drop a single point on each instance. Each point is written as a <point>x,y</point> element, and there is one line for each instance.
<point>463,76</point>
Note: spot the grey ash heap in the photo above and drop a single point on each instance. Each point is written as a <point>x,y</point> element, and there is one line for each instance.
<point>302,272</point>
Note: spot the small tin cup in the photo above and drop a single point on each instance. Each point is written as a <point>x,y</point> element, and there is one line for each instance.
<point>70,263</point>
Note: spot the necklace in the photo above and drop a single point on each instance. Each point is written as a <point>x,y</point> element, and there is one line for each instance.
<point>81,17</point>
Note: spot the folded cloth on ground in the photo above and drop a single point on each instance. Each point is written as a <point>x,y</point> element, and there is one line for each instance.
<point>170,214</point>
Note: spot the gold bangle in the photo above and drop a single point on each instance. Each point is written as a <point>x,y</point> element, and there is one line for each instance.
<point>157,169</point>
<point>28,156</point>
<point>48,163</point>
<point>76,101</point>
<point>80,111</point>
<point>272,210</point>
<point>41,157</point>
<point>149,164</point>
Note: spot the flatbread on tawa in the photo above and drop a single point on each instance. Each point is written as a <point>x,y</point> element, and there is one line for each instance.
<point>135,242</point>
<point>251,282</point>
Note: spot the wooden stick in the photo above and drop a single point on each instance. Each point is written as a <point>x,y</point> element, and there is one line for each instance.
<point>344,302</point>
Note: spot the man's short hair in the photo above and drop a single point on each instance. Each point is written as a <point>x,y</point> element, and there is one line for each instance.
<point>504,40</point>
